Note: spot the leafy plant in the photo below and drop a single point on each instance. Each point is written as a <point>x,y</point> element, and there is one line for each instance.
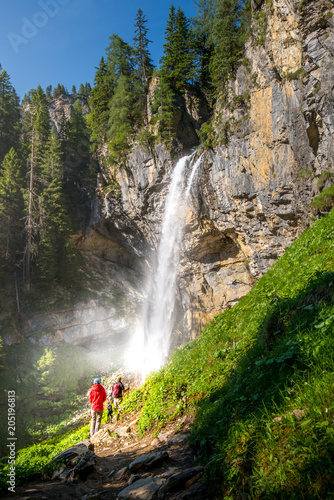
<point>323,178</point>
<point>324,202</point>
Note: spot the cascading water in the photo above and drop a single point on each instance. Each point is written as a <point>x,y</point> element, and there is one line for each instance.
<point>152,342</point>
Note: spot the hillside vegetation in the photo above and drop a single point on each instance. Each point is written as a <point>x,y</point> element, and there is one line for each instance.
<point>259,380</point>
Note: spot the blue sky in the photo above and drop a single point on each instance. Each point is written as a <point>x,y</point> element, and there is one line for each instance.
<point>46,42</point>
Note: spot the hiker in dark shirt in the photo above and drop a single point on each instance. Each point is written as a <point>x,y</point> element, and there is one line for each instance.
<point>117,395</point>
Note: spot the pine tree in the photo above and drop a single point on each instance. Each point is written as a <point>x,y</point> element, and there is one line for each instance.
<point>11,212</point>
<point>229,34</point>
<point>56,225</point>
<point>120,60</point>
<point>164,106</point>
<point>120,119</point>
<point>81,89</point>
<point>59,91</point>
<point>9,115</point>
<point>203,41</point>
<point>74,90</point>
<point>40,116</point>
<point>99,102</point>
<point>76,148</point>
<point>141,53</point>
<point>37,121</point>
<point>88,88</point>
<point>177,65</point>
<point>78,135</point>
<point>205,19</point>
<point>48,91</point>
<point>128,100</point>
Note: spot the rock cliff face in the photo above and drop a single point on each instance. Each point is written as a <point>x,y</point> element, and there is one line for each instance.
<point>274,127</point>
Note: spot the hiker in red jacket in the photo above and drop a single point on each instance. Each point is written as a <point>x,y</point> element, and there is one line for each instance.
<point>97,396</point>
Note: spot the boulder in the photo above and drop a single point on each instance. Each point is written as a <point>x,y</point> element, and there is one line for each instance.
<point>101,435</point>
<point>148,461</point>
<point>80,462</point>
<point>143,489</point>
<point>181,480</point>
<point>120,474</point>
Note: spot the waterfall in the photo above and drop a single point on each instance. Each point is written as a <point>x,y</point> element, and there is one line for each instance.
<point>156,329</point>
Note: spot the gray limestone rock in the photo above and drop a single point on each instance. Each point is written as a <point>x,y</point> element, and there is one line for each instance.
<point>148,461</point>
<point>143,489</point>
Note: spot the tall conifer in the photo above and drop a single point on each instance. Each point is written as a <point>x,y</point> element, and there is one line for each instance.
<point>76,147</point>
<point>164,106</point>
<point>121,118</point>
<point>11,212</point>
<point>9,115</point>
<point>55,227</point>
<point>140,47</point>
<point>203,41</point>
<point>120,60</point>
<point>177,64</point>
<point>99,102</point>
<point>38,124</point>
<point>230,30</point>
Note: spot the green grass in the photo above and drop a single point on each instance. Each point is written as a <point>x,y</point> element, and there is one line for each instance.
<point>252,366</point>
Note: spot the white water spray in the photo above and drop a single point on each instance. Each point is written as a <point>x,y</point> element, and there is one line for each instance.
<point>152,341</point>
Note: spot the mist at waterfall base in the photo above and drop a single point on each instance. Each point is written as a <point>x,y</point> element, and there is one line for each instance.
<point>150,346</point>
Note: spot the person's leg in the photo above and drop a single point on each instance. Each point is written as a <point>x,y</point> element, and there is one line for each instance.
<point>117,406</point>
<point>98,420</point>
<point>93,423</point>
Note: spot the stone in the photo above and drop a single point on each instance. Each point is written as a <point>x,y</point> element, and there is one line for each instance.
<point>299,414</point>
<point>120,474</point>
<point>143,489</point>
<point>74,451</point>
<point>132,479</point>
<point>123,431</point>
<point>148,461</point>
<point>180,480</point>
<point>84,467</point>
<point>177,439</point>
<point>163,436</point>
<point>101,435</point>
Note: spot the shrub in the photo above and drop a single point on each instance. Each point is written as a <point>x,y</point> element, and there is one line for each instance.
<point>324,202</point>
<point>326,176</point>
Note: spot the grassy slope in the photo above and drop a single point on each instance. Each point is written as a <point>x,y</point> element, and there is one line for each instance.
<point>253,365</point>
<point>271,354</point>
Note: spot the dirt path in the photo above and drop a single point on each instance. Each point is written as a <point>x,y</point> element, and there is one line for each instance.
<point>118,446</point>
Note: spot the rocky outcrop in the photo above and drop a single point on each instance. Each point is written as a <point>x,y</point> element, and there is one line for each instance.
<point>63,106</point>
<point>273,129</point>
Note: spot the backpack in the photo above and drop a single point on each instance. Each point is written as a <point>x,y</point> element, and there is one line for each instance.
<point>116,390</point>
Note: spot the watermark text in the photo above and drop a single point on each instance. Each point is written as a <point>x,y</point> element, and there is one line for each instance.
<point>31,26</point>
<point>11,445</point>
